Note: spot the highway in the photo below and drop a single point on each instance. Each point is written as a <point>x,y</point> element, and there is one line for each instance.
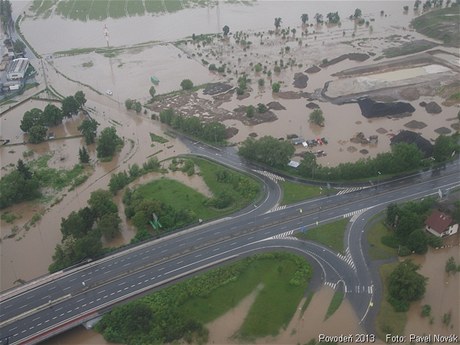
<point>68,298</point>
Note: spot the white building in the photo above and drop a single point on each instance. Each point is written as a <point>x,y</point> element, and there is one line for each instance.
<point>17,69</point>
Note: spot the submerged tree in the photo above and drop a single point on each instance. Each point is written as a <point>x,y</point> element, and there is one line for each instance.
<point>304,18</point>
<point>317,117</point>
<point>88,128</point>
<point>278,21</point>
<point>226,30</point>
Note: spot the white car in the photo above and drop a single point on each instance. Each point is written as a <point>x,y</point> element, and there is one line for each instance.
<point>109,92</point>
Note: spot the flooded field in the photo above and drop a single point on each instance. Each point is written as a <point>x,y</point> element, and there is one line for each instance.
<point>442,294</point>
<point>127,74</point>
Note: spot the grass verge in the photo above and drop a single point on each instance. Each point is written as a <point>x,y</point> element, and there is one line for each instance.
<point>335,304</point>
<point>379,251</point>
<point>294,192</point>
<point>330,234</point>
<point>389,321</point>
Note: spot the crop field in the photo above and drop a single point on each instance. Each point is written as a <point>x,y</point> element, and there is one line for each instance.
<point>84,10</point>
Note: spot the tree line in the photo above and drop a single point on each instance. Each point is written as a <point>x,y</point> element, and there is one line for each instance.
<point>36,122</point>
<point>83,230</point>
<point>213,132</point>
<point>403,157</point>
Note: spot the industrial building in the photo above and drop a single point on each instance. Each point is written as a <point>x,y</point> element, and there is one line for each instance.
<point>17,69</point>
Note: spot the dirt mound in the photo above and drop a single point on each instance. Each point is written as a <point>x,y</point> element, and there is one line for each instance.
<point>410,94</point>
<point>300,80</point>
<point>312,105</point>
<point>370,108</point>
<point>352,56</point>
<point>313,69</point>
<point>215,88</point>
<point>415,124</point>
<point>275,106</point>
<point>410,137</point>
<point>443,130</point>
<point>381,130</point>
<point>258,118</point>
<point>433,108</point>
<point>290,95</point>
<point>231,132</point>
<point>364,151</point>
<point>253,135</point>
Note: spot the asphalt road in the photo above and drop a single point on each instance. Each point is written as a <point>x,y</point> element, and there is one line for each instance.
<point>66,299</point>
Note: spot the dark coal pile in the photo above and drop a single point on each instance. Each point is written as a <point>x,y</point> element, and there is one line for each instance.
<point>313,69</point>
<point>216,88</point>
<point>370,108</point>
<point>312,105</point>
<point>433,108</point>
<point>300,80</point>
<point>275,106</point>
<point>410,137</point>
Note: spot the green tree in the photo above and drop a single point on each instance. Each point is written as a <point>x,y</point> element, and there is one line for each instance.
<point>109,225</point>
<point>83,155</point>
<point>261,82</point>
<point>267,150</point>
<point>308,165</point>
<point>333,17</point>
<point>186,84</point>
<point>278,21</point>
<point>276,87</point>
<point>319,18</point>
<point>78,224</point>
<point>226,30</point>
<point>358,13</point>
<point>80,98</point>
<point>152,92</point>
<point>406,156</point>
<point>88,128</point>
<point>316,117</point>
<point>23,170</point>
<point>70,106</point>
<point>101,203</point>
<point>37,134</point>
<point>261,108</point>
<point>108,142</point>
<point>443,148</point>
<point>118,181</point>
<point>250,111</point>
<point>405,285</point>
<point>16,187</point>
<point>51,116</point>
<point>304,18</point>
<point>129,103</point>
<point>418,241</point>
<point>6,14</point>
<point>19,47</point>
<point>137,107</point>
<point>31,118</point>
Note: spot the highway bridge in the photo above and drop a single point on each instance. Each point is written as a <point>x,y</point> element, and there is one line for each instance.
<point>58,302</point>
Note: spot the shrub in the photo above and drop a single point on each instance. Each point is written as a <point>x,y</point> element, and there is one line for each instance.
<point>276,87</point>
<point>186,84</point>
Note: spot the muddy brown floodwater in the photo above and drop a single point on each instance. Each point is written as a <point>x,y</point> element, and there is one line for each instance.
<point>127,75</point>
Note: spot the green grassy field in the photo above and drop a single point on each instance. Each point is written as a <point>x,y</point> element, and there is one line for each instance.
<point>294,192</point>
<point>269,312</point>
<point>441,24</point>
<point>245,193</point>
<point>209,295</point>
<point>330,234</point>
<point>84,10</point>
<point>379,251</point>
<point>388,320</point>
<point>179,196</point>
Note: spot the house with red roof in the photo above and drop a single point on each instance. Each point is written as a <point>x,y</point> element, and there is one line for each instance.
<point>440,224</point>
